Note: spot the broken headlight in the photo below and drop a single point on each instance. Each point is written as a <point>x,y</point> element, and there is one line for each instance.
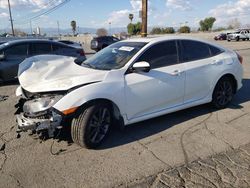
<point>40,106</point>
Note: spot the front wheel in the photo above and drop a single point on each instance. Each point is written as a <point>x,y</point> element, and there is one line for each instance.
<point>223,93</point>
<point>90,127</point>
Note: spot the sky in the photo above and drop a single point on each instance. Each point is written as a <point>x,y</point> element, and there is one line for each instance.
<point>99,13</point>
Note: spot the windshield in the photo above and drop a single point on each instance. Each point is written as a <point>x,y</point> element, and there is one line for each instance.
<point>114,56</point>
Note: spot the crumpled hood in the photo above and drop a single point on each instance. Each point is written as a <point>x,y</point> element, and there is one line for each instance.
<point>55,73</point>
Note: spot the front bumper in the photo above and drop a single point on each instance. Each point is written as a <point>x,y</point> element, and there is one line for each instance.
<point>37,124</point>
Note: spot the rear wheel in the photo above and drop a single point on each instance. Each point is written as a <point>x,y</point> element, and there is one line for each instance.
<point>90,127</point>
<point>237,38</point>
<point>223,93</point>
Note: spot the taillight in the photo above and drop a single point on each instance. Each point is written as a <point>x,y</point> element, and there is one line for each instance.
<point>240,58</point>
<point>81,52</point>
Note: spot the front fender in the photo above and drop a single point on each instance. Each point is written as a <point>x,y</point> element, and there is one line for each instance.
<point>113,91</point>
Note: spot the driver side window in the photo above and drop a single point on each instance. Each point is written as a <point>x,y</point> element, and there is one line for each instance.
<point>161,55</point>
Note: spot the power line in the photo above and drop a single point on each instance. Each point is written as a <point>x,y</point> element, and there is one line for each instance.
<point>49,4</point>
<point>52,9</point>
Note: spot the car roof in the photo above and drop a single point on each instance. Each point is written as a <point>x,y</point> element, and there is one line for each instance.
<point>20,41</point>
<point>173,37</point>
<point>17,41</point>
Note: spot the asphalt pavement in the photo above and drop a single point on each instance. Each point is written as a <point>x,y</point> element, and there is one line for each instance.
<point>136,156</point>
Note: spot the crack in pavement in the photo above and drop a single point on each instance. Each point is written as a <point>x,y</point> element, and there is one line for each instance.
<point>145,147</point>
<point>17,180</point>
<point>186,160</point>
<point>213,134</point>
<point>230,121</point>
<point>191,171</point>
<point>3,147</point>
<point>236,164</point>
<point>245,152</point>
<point>217,161</point>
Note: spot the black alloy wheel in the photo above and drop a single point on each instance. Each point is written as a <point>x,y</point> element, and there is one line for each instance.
<point>223,93</point>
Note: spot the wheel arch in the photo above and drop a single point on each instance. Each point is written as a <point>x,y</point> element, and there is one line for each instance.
<point>232,78</point>
<point>114,107</point>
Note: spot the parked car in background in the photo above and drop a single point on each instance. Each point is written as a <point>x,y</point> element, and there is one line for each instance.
<point>99,43</point>
<point>12,53</point>
<point>243,34</point>
<point>71,43</point>
<point>127,82</point>
<point>221,36</point>
<point>2,42</point>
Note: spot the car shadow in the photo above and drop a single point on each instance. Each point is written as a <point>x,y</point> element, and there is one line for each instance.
<point>138,131</point>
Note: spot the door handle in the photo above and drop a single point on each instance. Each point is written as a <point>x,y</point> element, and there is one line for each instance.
<point>216,62</point>
<point>176,73</point>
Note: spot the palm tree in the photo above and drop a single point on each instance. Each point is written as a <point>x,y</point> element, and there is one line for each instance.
<point>131,16</point>
<point>73,25</point>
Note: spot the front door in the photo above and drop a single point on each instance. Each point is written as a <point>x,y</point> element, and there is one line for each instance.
<point>160,88</point>
<point>14,55</point>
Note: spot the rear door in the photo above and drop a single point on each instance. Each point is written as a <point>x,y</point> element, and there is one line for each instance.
<point>202,65</point>
<point>14,55</point>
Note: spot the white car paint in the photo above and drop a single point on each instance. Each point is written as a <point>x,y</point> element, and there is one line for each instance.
<point>55,73</point>
<point>138,96</point>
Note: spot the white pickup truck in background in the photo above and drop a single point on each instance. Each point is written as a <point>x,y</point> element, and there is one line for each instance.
<point>243,34</point>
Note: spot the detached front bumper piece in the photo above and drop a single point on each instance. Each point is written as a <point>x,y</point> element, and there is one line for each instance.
<point>38,123</point>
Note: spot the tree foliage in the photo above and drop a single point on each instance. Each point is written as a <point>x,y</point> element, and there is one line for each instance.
<point>134,29</point>
<point>73,26</point>
<point>184,29</point>
<point>159,30</point>
<point>207,24</point>
<point>101,32</point>
<point>131,16</point>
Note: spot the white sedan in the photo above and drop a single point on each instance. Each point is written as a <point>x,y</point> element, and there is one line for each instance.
<point>127,82</point>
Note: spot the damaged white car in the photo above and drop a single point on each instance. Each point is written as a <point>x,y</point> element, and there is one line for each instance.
<point>127,82</point>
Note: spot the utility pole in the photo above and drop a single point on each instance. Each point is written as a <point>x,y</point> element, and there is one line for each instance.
<point>31,27</point>
<point>58,30</point>
<point>144,18</point>
<point>11,20</point>
<point>110,28</point>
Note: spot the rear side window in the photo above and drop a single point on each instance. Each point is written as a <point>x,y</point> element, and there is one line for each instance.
<point>41,48</point>
<point>194,50</point>
<point>160,55</point>
<point>62,49</point>
<point>215,51</point>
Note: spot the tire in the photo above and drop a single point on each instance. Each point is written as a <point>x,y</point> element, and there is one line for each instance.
<point>243,39</point>
<point>90,127</point>
<point>223,93</point>
<point>237,38</point>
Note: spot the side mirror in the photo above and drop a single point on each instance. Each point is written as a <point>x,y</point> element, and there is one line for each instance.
<point>2,57</point>
<point>142,66</point>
